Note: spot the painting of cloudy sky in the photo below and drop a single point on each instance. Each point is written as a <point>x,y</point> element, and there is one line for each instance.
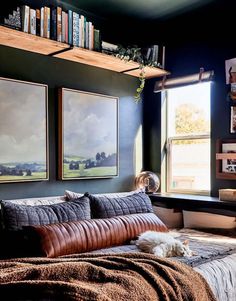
<point>23,133</point>
<point>89,135</point>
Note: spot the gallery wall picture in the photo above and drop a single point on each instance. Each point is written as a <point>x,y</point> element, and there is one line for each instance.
<point>88,135</point>
<point>23,131</point>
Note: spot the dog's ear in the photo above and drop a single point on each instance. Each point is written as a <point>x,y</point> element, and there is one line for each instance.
<point>186,242</point>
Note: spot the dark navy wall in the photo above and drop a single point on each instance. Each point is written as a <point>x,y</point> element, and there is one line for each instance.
<point>207,43</point>
<point>56,73</point>
<point>183,61</point>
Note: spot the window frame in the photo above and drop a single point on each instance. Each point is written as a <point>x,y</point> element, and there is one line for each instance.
<point>168,147</point>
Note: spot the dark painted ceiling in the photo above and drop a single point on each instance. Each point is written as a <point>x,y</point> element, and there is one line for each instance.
<point>143,22</point>
<point>139,9</point>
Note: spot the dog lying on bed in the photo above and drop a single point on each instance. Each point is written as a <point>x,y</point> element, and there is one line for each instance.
<point>162,244</point>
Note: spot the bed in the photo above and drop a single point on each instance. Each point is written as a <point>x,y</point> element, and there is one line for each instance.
<point>122,272</point>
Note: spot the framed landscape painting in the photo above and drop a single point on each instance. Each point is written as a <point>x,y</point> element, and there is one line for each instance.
<point>88,135</point>
<point>23,131</point>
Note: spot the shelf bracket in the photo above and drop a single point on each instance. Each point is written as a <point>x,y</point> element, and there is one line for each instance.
<point>61,51</point>
<point>124,71</point>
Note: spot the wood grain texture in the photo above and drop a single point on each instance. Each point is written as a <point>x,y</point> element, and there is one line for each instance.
<point>25,41</point>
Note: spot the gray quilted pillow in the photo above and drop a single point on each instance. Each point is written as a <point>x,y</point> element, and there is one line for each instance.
<point>105,207</point>
<point>17,216</point>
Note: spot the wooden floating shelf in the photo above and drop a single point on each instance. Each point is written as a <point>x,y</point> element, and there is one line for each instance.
<point>25,41</point>
<point>223,156</point>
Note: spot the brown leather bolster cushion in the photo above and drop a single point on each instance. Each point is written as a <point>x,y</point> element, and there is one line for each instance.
<point>87,235</point>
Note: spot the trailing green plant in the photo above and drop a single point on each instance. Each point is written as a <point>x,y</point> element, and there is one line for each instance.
<point>136,54</point>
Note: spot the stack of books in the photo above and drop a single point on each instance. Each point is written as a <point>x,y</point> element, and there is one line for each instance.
<point>152,54</point>
<point>109,48</point>
<point>53,23</point>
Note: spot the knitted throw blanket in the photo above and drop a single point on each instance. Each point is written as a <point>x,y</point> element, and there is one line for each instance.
<point>132,276</point>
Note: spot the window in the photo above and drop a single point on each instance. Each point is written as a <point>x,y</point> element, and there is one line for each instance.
<point>188,139</point>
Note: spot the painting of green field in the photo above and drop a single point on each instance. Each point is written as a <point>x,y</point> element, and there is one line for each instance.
<point>89,137</point>
<point>34,176</point>
<point>22,171</point>
<point>91,172</point>
<point>23,131</point>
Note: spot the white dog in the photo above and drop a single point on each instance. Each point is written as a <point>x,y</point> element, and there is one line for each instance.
<point>162,244</point>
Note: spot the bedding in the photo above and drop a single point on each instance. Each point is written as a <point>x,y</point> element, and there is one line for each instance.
<point>16,216</point>
<point>133,277</point>
<point>216,262</point>
<point>80,236</point>
<point>106,206</point>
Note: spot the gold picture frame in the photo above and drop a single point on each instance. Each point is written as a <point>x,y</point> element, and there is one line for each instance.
<point>23,131</point>
<point>88,135</point>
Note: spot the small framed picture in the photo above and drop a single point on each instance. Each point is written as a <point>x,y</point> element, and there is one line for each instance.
<point>233,120</point>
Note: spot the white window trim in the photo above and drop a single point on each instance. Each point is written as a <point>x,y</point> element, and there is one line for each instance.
<point>168,158</point>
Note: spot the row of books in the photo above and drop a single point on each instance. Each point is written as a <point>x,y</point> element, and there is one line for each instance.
<point>56,24</point>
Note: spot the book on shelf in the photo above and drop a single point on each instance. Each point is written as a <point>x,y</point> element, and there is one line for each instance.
<point>25,18</point>
<point>151,53</point>
<point>59,24</point>
<point>42,22</point>
<point>53,28</point>
<point>64,27</point>
<point>82,30</point>
<point>70,27</point>
<point>109,48</point>
<point>46,22</point>
<point>53,23</point>
<point>38,22</point>
<point>97,40</point>
<point>75,29</point>
<point>32,21</point>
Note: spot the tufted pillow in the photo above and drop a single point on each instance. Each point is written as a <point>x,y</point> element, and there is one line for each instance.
<point>87,235</point>
<point>16,216</point>
<point>70,195</point>
<point>105,207</point>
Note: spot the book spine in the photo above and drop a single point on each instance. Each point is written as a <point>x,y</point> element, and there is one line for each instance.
<point>92,41</point>
<point>84,37</point>
<point>63,27</point>
<point>25,18</point>
<point>38,22</point>
<point>59,24</point>
<point>75,29</point>
<point>78,29</point>
<point>33,21</point>
<point>90,36</point>
<point>42,22</point>
<point>66,28</point>
<point>53,24</point>
<point>45,22</point>
<point>48,22</point>
<point>70,27</point>
<point>82,30</point>
<point>87,36</point>
<point>97,40</point>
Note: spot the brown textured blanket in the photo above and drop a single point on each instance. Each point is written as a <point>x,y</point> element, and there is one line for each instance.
<point>102,277</point>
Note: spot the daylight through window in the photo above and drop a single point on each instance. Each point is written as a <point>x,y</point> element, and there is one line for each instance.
<point>188,139</point>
